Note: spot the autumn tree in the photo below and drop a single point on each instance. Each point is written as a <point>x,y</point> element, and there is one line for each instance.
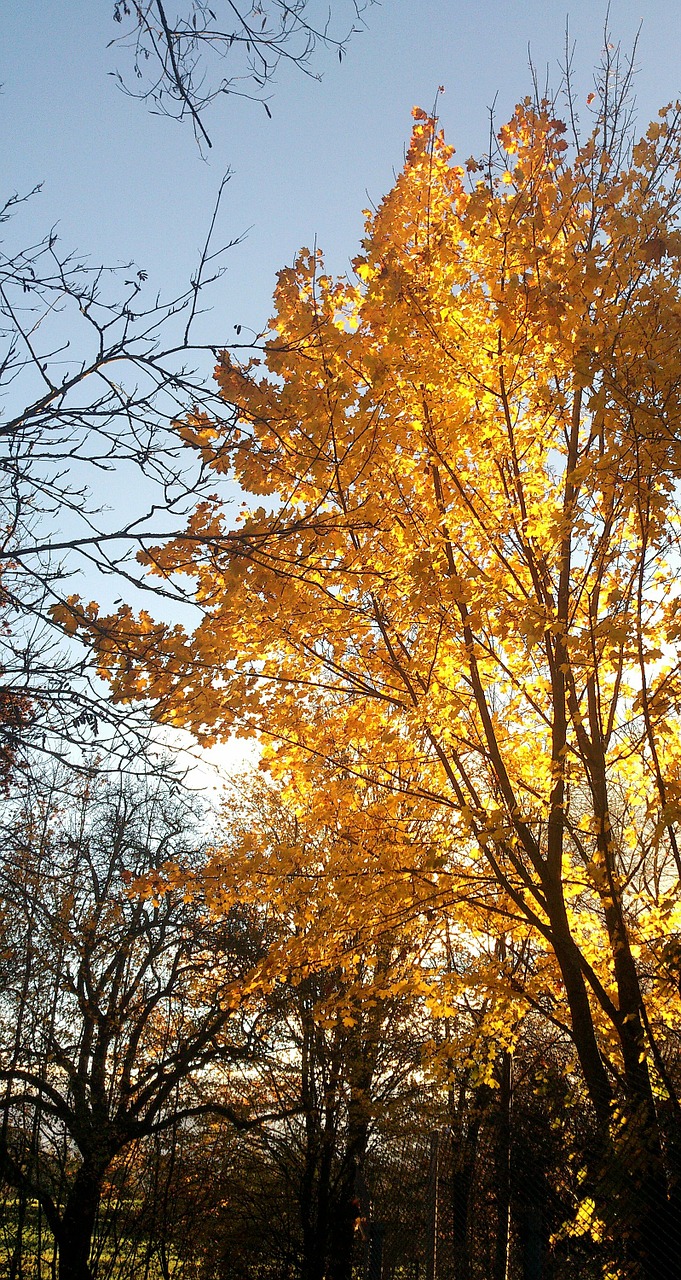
<point>327,876</point>
<point>464,581</point>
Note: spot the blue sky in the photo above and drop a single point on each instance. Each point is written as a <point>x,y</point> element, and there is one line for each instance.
<point>124,184</point>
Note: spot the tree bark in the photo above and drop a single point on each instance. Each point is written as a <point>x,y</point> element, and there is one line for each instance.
<point>346,1209</point>
<point>433,1207</point>
<point>78,1223</point>
<point>503,1167</point>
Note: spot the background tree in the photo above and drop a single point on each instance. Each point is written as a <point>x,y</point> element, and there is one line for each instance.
<point>94,368</point>
<point>119,1012</point>
<point>347,1012</point>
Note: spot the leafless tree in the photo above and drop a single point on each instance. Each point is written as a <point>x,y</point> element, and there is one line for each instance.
<point>94,372</point>
<point>185,57</point>
<point>118,1014</point>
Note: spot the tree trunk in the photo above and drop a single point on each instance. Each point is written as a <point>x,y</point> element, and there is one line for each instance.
<point>346,1208</point>
<point>503,1167</point>
<point>634,1196</point>
<point>328,1148</point>
<point>533,1237</point>
<point>464,1120</point>
<point>464,1147</point>
<point>78,1224</point>
<point>16,1270</point>
<point>342,1226</point>
<point>312,1261</point>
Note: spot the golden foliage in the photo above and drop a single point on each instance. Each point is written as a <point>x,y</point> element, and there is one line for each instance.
<point>463,587</point>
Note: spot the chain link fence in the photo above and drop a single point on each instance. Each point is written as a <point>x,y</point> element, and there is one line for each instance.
<point>439,1214</point>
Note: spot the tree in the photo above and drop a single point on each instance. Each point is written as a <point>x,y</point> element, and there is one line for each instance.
<point>118,1013</point>
<point>348,1016</point>
<point>464,581</point>
<point>93,372</point>
<point>94,369</point>
<point>183,61</point>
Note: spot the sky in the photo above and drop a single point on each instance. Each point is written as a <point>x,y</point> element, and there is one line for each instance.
<point>124,184</point>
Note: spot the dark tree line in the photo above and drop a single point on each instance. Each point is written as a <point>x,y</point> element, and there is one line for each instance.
<point>168,1107</point>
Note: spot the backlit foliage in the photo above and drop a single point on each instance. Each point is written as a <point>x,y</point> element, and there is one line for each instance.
<point>463,586</point>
